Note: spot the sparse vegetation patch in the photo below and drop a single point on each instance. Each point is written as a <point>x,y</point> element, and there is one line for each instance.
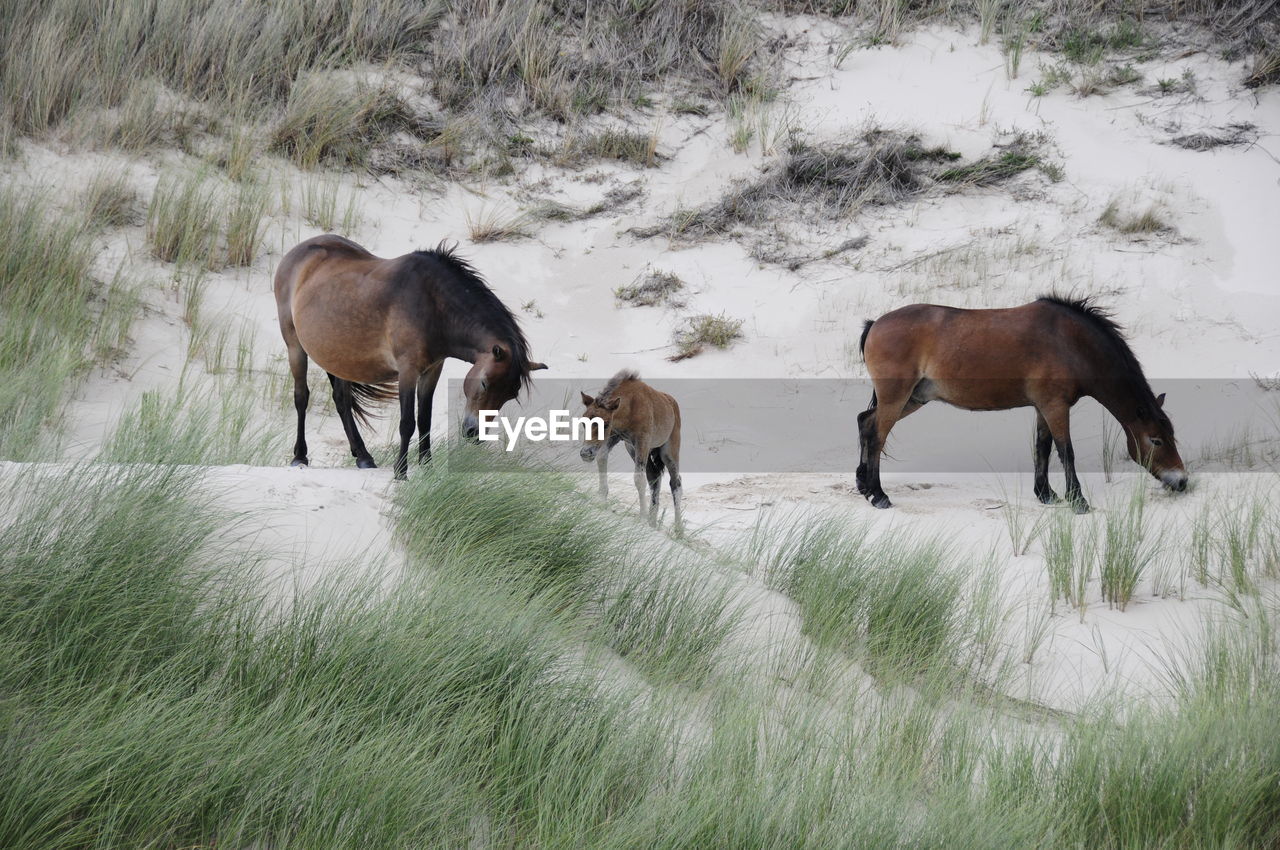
<point>653,288</point>
<point>698,332</point>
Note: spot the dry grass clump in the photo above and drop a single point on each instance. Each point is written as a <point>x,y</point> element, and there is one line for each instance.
<point>653,288</point>
<point>492,225</point>
<point>700,331</point>
<point>330,120</point>
<point>611,143</point>
<point>1230,135</point>
<point>880,167</point>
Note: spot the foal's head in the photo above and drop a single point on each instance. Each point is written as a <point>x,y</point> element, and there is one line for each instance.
<point>1151,444</point>
<point>494,380</point>
<point>605,409</point>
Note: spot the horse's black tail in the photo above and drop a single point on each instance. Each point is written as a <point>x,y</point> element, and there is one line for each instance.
<point>364,395</point>
<point>653,465</point>
<point>866,329</point>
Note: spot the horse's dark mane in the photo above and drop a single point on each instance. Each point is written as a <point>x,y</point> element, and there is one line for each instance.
<point>616,381</point>
<point>479,304</point>
<point>1104,322</point>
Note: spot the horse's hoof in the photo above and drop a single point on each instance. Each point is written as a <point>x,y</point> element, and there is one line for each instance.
<point>880,500</point>
<point>1080,506</point>
<point>1048,497</point>
<point>366,463</point>
<point>299,461</point>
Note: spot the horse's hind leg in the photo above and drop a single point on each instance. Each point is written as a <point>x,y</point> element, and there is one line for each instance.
<point>670,455</point>
<point>866,429</point>
<point>301,398</point>
<point>1043,441</point>
<point>342,400</point>
<point>653,466</point>
<point>1058,418</point>
<point>639,457</point>
<point>894,403</point>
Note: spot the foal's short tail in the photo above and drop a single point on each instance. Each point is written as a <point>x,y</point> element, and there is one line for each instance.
<point>364,395</point>
<point>653,464</point>
<point>866,329</point>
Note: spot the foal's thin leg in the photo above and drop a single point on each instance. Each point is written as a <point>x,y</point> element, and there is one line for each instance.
<point>426,390</point>
<point>639,456</point>
<point>342,400</point>
<point>1043,441</point>
<point>408,393</point>
<point>1058,418</point>
<point>672,463</point>
<point>301,397</point>
<point>653,472</point>
<point>602,466</point>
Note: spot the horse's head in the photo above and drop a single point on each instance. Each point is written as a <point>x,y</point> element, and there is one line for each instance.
<point>1151,445</point>
<point>494,379</point>
<point>593,443</point>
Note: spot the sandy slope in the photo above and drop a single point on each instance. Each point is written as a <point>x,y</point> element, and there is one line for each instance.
<point>1201,303</point>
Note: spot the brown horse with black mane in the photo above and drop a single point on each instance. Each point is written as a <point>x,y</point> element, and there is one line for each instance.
<point>1047,354</point>
<point>382,328</point>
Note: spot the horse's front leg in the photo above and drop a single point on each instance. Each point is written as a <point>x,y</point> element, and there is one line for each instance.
<point>408,392</point>
<point>1059,421</point>
<point>426,392</point>
<point>866,434</point>
<point>602,467</point>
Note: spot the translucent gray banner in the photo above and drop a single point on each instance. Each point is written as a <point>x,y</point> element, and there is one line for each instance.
<point>810,425</point>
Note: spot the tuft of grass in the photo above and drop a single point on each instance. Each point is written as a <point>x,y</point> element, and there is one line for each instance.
<point>653,288</point>
<point>1016,158</point>
<point>329,120</point>
<point>246,211</point>
<point>1126,550</point>
<point>1069,553</point>
<point>324,207</point>
<point>699,331</point>
<point>196,424</point>
<point>492,225</point>
<point>1132,223</point>
<point>110,200</point>
<point>610,143</point>
<point>182,224</point>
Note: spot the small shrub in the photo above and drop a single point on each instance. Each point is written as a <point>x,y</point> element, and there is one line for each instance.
<point>700,331</point>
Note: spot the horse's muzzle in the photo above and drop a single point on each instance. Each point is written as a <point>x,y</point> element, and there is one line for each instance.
<point>471,428</point>
<point>1174,479</point>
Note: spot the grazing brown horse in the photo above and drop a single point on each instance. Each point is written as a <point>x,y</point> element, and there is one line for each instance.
<point>1046,354</point>
<point>369,322</point>
<point>648,422</point>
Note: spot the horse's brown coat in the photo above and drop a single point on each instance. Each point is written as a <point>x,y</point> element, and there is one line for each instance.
<point>371,322</point>
<point>1046,354</point>
<point>647,421</point>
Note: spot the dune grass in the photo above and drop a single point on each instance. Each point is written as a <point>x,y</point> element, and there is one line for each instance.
<point>56,319</point>
<point>158,693</point>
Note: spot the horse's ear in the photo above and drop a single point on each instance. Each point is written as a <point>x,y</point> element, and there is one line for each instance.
<point>498,353</point>
<point>586,399</point>
<point>1160,400</point>
<point>535,366</point>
